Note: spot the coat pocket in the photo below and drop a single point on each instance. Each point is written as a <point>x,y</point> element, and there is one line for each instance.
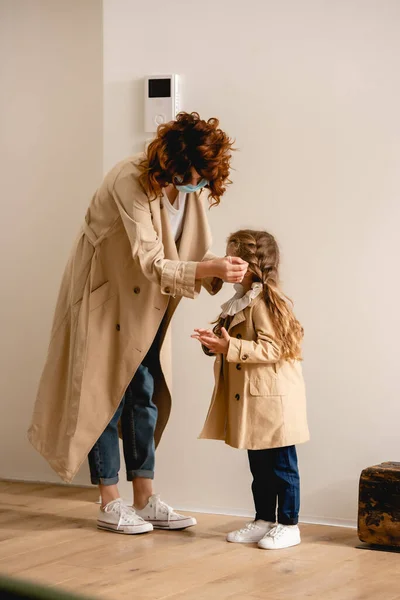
<point>267,386</point>
<point>100,295</point>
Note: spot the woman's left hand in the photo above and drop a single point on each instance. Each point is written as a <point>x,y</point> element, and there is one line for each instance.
<point>217,345</point>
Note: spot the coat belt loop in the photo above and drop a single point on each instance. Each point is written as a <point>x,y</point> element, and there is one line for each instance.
<point>91,236</point>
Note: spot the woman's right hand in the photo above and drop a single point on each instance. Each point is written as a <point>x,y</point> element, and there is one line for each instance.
<point>230,269</point>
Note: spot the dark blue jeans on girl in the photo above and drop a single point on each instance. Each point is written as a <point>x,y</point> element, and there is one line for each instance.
<point>276,484</point>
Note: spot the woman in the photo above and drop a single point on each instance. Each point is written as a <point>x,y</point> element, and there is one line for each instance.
<point>144,244</point>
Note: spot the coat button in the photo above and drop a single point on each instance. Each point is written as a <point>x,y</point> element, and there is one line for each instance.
<point>167,290</point>
<point>118,327</point>
<point>245,357</point>
<point>238,366</point>
<point>136,290</point>
<point>161,205</point>
<point>239,336</point>
<point>237,396</point>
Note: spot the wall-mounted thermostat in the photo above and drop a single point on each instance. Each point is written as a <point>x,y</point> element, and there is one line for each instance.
<point>161,100</point>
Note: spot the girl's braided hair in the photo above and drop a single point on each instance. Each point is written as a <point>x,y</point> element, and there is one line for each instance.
<point>261,251</point>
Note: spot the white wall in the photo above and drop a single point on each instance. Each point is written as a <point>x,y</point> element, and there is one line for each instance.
<point>311,92</point>
<point>51,162</point>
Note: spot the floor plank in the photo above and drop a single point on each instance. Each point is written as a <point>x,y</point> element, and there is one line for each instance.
<point>48,534</point>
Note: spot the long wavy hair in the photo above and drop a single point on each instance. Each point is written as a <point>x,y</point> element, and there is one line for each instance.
<point>186,143</point>
<point>261,251</point>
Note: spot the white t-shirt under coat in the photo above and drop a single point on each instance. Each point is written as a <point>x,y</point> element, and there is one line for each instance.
<point>176,212</point>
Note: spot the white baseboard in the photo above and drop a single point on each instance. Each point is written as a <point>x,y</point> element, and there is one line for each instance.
<point>212,510</point>
<point>42,482</point>
<point>249,514</point>
<point>332,522</point>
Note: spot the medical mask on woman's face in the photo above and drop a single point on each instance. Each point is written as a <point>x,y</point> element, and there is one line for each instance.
<point>189,188</point>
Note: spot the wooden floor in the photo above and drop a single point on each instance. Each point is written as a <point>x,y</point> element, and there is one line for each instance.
<point>48,534</point>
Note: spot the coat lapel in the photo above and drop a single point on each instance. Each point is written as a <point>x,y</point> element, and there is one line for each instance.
<point>163,227</point>
<point>238,318</point>
<point>195,239</point>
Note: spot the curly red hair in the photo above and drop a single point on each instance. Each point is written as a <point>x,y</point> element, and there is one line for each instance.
<point>189,142</point>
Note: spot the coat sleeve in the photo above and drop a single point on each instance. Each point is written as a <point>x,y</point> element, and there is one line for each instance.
<point>212,284</point>
<point>176,278</point>
<point>266,349</point>
<point>207,351</point>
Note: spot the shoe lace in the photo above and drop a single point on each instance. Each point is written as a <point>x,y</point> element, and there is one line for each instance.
<point>163,507</point>
<point>277,531</point>
<point>248,527</point>
<point>127,514</point>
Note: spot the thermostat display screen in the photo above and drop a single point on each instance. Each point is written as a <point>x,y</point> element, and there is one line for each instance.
<point>160,88</point>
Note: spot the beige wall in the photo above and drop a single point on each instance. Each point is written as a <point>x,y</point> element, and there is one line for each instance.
<point>51,161</point>
<point>311,92</point>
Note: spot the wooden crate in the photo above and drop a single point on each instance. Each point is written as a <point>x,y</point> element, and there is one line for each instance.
<point>379,505</point>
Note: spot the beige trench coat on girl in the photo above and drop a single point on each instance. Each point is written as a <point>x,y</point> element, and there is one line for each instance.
<point>123,280</point>
<point>259,400</point>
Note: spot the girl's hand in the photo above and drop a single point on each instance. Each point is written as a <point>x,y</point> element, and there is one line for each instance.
<point>211,341</point>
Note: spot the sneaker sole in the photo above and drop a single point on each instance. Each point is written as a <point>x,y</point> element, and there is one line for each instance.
<point>280,547</point>
<point>174,525</point>
<point>124,529</point>
<point>244,541</point>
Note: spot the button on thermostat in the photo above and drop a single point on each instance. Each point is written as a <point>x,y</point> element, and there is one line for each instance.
<point>159,119</point>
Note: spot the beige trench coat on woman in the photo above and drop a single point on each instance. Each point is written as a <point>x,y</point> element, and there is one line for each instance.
<point>123,280</point>
<point>259,400</point>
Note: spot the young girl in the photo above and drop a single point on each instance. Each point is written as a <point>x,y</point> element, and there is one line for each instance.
<point>259,398</point>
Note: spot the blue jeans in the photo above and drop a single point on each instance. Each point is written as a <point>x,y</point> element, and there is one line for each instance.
<point>138,415</point>
<point>276,484</point>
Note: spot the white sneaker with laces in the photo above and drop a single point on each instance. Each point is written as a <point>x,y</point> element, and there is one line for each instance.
<point>162,516</point>
<point>281,536</point>
<point>116,516</point>
<point>251,532</point>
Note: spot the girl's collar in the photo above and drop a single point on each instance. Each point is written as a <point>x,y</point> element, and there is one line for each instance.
<point>241,299</point>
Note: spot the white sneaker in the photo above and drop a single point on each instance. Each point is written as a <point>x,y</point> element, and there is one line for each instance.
<point>120,518</point>
<point>162,516</point>
<point>281,536</point>
<point>250,533</point>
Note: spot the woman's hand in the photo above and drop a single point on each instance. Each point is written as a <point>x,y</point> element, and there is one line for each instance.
<point>230,269</point>
<point>211,341</point>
